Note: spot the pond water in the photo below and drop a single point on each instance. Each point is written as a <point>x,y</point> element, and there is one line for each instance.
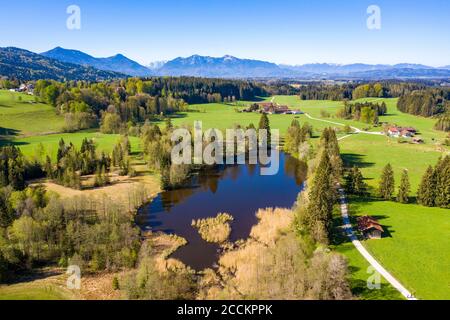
<point>239,190</point>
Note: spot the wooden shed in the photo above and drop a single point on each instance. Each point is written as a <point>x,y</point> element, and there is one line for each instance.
<point>370,227</point>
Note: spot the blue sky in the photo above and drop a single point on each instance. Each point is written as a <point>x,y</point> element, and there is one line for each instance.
<point>293,32</point>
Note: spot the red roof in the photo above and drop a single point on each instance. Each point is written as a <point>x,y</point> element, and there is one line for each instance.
<point>367,223</point>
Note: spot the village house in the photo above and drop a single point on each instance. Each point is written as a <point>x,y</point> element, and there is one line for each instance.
<point>271,108</point>
<point>370,227</point>
<point>399,132</point>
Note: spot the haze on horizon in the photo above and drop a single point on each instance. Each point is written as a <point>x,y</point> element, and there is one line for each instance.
<point>289,32</point>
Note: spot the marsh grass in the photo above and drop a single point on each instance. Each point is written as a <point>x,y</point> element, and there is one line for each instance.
<point>214,230</point>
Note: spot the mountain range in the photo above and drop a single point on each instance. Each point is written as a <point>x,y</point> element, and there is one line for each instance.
<point>26,65</point>
<point>118,63</point>
<point>60,63</point>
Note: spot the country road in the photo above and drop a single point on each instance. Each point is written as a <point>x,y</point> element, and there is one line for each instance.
<point>363,251</point>
<point>357,130</point>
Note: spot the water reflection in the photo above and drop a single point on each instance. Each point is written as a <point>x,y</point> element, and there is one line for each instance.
<point>239,190</point>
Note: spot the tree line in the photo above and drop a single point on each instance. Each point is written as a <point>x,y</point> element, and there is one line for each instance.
<point>353,91</point>
<point>314,208</point>
<point>434,189</point>
<point>367,112</point>
<point>425,103</point>
<point>116,105</point>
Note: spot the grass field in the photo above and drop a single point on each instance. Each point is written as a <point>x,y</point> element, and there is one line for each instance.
<point>21,116</point>
<point>222,116</point>
<point>104,142</point>
<point>371,153</point>
<point>48,288</point>
<point>416,246</point>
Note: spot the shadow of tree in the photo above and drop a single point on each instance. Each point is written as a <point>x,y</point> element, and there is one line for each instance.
<point>353,159</point>
<point>7,136</point>
<point>386,292</point>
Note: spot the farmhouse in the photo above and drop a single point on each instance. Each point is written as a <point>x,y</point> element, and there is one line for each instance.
<point>398,132</point>
<point>271,108</point>
<point>370,227</point>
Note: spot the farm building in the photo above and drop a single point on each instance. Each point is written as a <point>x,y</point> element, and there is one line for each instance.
<point>398,132</point>
<point>271,108</point>
<point>370,227</point>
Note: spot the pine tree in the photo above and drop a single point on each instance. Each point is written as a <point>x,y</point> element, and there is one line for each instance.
<point>349,182</point>
<point>387,183</point>
<point>442,173</point>
<point>105,176</point>
<point>404,189</point>
<point>355,182</point>
<point>427,190</point>
<point>48,168</point>
<point>358,182</point>
<point>98,182</point>
<point>61,150</point>
<point>264,124</point>
<point>321,199</point>
<point>329,141</point>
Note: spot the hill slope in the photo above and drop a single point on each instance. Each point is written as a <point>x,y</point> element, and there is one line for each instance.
<point>118,63</point>
<point>26,65</point>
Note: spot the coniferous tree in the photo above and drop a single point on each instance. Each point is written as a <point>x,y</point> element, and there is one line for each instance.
<point>404,189</point>
<point>264,124</point>
<point>61,150</point>
<point>48,169</point>
<point>387,183</point>
<point>442,174</point>
<point>321,200</point>
<point>105,175</point>
<point>427,190</point>
<point>329,141</point>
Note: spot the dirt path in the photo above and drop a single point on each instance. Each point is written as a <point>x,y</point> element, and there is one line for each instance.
<point>373,262</point>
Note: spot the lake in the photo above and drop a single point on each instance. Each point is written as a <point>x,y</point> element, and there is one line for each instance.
<point>239,190</point>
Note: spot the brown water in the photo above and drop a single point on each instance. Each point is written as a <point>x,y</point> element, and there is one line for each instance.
<point>239,190</point>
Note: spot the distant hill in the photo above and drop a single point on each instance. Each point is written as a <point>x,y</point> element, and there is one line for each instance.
<point>118,63</point>
<point>26,65</point>
<point>224,67</point>
<point>402,73</point>
<point>335,69</point>
<point>232,67</point>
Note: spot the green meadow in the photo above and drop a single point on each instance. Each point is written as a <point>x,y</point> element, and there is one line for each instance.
<point>223,116</point>
<point>20,115</point>
<point>34,291</point>
<point>104,142</point>
<point>415,248</point>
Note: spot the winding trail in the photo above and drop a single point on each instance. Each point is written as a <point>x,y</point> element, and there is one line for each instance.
<point>349,228</point>
<point>357,130</point>
<point>363,251</point>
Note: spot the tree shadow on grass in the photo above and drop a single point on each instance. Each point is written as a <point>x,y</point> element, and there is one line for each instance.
<point>353,159</point>
<point>7,136</point>
<point>385,292</point>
